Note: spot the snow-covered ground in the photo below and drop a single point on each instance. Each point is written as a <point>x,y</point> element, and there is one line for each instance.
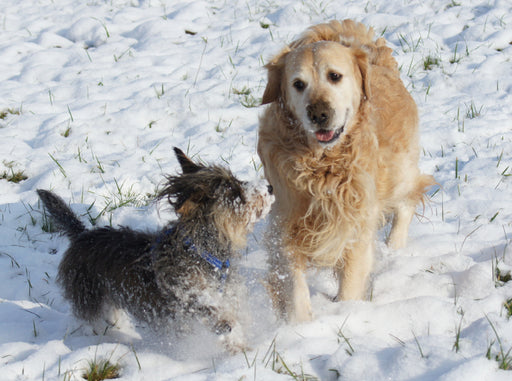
<point>93,96</point>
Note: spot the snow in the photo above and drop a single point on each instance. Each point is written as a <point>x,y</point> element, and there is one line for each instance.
<point>96,93</point>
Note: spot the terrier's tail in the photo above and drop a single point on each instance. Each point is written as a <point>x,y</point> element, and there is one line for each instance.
<point>61,214</point>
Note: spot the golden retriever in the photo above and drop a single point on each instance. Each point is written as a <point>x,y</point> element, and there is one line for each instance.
<point>339,144</point>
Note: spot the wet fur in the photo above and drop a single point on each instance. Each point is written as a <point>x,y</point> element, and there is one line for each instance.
<point>331,198</point>
<point>155,276</point>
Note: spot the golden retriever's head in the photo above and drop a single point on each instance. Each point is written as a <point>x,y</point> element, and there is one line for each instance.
<point>322,85</point>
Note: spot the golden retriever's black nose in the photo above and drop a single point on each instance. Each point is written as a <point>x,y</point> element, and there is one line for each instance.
<point>319,113</point>
<point>270,189</point>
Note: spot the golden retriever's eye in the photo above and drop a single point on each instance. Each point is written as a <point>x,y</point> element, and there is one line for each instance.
<point>299,85</point>
<point>334,77</point>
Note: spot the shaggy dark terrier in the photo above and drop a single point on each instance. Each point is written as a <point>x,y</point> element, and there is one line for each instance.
<point>180,272</point>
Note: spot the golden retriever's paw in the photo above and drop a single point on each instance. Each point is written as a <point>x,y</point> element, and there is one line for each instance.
<point>301,315</point>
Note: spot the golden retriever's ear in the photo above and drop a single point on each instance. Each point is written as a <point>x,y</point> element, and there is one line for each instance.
<point>363,65</point>
<point>273,88</point>
<point>275,70</point>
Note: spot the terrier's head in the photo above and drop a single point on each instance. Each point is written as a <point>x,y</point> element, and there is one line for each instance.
<point>205,194</point>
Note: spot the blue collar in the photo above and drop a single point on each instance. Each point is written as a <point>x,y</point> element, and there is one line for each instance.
<point>207,256</point>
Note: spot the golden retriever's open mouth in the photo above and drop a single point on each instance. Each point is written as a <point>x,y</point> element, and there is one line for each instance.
<point>325,136</point>
<point>328,136</point>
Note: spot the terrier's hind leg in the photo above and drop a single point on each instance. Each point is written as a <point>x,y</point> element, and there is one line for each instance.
<point>108,319</point>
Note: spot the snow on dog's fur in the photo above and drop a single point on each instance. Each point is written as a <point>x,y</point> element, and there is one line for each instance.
<point>181,272</point>
<point>339,145</point>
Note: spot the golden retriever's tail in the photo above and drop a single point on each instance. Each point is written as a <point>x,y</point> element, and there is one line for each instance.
<point>351,34</point>
<point>423,183</point>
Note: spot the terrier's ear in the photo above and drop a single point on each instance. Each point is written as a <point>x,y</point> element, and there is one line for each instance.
<point>187,165</point>
<point>187,208</point>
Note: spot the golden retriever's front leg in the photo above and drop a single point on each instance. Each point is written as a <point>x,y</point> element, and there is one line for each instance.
<point>301,310</point>
<point>353,274</point>
<point>288,288</point>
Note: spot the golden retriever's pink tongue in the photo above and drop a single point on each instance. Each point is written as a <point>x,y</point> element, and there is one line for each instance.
<point>324,135</point>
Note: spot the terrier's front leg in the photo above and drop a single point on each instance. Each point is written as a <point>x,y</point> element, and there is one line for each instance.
<point>234,341</point>
<point>225,325</point>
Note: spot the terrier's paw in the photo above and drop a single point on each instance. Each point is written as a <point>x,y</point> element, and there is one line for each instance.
<point>222,327</point>
<point>234,342</point>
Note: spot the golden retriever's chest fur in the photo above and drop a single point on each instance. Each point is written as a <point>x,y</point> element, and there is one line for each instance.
<point>322,196</point>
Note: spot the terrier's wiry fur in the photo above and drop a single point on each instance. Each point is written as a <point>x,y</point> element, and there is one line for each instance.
<point>177,273</point>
